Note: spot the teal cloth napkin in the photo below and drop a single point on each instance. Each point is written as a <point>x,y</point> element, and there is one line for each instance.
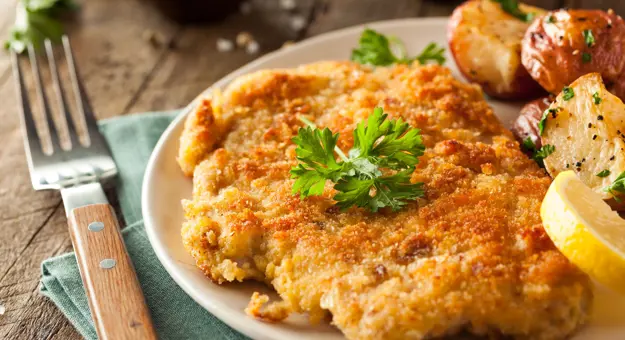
<point>175,314</point>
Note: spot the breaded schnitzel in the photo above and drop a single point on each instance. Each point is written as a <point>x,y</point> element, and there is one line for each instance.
<point>471,255</point>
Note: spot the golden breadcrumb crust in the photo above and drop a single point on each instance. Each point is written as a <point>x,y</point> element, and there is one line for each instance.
<point>471,255</point>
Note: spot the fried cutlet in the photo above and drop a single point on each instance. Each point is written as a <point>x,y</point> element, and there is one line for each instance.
<point>471,255</point>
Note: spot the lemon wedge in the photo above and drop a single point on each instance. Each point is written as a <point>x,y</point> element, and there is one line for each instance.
<point>584,228</point>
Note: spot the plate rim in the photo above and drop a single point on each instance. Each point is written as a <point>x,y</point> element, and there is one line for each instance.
<point>239,324</point>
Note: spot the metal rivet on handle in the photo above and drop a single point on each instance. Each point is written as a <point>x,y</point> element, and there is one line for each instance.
<point>96,226</point>
<point>107,263</point>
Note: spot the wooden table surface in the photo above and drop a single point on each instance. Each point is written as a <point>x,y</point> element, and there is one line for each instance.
<point>125,72</point>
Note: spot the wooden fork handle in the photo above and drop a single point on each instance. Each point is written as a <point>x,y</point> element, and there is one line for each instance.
<point>115,298</point>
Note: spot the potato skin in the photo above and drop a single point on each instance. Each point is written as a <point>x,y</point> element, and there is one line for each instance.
<point>554,47</point>
<point>526,124</point>
<point>485,42</point>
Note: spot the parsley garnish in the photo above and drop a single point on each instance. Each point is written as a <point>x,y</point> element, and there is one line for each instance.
<point>568,93</point>
<point>432,52</point>
<point>543,153</point>
<point>375,49</point>
<point>543,120</point>
<point>604,173</point>
<point>539,155</point>
<point>589,38</point>
<point>586,57</point>
<point>37,20</point>
<point>551,19</point>
<point>596,98</point>
<point>512,8</point>
<point>618,186</point>
<point>375,174</point>
<point>529,145</point>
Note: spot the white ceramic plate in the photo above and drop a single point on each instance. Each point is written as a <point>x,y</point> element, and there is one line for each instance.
<point>164,185</point>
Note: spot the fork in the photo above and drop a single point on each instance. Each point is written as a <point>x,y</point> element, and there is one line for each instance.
<point>115,298</point>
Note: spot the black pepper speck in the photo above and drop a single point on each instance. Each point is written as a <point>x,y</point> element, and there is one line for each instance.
<point>599,117</point>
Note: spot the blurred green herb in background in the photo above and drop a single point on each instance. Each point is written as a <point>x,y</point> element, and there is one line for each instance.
<point>376,49</point>
<point>36,20</point>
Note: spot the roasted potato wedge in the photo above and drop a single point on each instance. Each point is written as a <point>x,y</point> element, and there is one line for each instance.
<point>526,124</point>
<point>588,133</point>
<point>563,45</point>
<point>485,42</point>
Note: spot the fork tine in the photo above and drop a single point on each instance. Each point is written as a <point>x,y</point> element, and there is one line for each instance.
<point>60,95</point>
<point>43,100</point>
<point>82,101</point>
<point>31,138</point>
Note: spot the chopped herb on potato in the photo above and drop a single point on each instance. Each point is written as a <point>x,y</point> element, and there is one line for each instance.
<point>596,98</point>
<point>589,38</point>
<point>604,173</point>
<point>568,93</point>
<point>543,120</point>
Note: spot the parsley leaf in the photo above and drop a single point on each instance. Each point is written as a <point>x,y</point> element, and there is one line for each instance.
<point>543,120</point>
<point>432,52</point>
<point>37,20</point>
<point>568,93</point>
<point>596,98</point>
<point>376,174</point>
<point>538,155</point>
<point>603,173</point>
<point>586,57</point>
<point>376,49</point>
<point>512,7</point>
<point>529,145</point>
<point>589,38</point>
<point>618,186</point>
<point>543,153</point>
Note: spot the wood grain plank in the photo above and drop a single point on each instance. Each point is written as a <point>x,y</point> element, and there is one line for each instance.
<point>438,8</point>
<point>19,287</point>
<point>546,4</point>
<point>194,63</point>
<point>335,14</point>
<point>616,5</point>
<point>110,42</point>
<point>106,36</point>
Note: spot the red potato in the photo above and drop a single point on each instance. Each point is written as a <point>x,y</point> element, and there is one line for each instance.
<point>485,42</point>
<point>563,45</point>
